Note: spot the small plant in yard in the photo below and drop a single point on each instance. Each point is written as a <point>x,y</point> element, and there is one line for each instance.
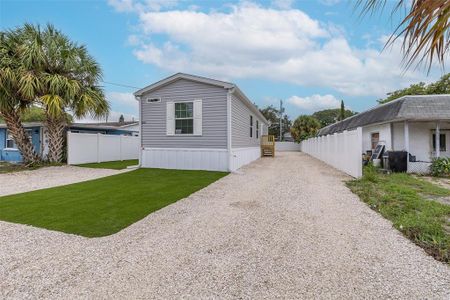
<point>409,203</point>
<point>440,167</point>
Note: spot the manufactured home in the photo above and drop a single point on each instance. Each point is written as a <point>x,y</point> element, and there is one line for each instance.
<point>418,125</point>
<point>198,123</point>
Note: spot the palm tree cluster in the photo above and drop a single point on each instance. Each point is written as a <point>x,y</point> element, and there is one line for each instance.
<point>44,68</point>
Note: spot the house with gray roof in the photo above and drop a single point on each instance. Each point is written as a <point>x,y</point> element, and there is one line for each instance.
<point>198,123</point>
<point>419,125</point>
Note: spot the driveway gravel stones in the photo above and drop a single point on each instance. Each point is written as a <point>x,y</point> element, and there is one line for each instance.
<point>282,228</point>
<point>25,181</point>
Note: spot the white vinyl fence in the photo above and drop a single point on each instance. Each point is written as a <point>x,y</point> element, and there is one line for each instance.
<point>340,150</point>
<point>90,148</point>
<point>287,146</point>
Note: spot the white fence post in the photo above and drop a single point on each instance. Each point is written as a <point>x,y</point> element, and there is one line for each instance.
<point>340,150</point>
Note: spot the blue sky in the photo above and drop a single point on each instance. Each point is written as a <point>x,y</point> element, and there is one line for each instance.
<point>311,54</point>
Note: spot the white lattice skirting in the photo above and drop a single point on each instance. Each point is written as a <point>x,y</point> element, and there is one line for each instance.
<point>419,167</point>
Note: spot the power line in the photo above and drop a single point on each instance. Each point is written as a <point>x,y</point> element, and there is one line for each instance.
<point>122,85</point>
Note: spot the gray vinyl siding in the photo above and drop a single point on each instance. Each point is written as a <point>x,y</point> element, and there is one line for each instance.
<point>214,116</point>
<point>240,125</point>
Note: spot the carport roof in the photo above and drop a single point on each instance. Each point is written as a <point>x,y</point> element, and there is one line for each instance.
<point>417,107</point>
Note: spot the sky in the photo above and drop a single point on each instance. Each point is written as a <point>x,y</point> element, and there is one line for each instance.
<point>310,54</point>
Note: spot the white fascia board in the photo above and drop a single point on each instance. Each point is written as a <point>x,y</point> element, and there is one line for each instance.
<point>178,76</point>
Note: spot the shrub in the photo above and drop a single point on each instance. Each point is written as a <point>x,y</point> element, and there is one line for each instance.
<point>440,167</point>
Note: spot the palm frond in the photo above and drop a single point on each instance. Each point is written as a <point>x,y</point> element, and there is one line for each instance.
<point>424,29</point>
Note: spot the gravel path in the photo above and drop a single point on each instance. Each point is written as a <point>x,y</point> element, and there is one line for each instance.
<point>283,228</point>
<point>25,181</point>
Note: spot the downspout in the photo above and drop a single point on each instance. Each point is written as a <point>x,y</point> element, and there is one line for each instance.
<point>138,98</point>
<point>229,129</point>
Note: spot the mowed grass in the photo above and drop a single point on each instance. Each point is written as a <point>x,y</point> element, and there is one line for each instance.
<point>412,205</point>
<point>103,206</point>
<point>115,165</point>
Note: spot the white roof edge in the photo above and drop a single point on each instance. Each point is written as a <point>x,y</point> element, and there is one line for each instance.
<point>177,76</point>
<point>248,103</point>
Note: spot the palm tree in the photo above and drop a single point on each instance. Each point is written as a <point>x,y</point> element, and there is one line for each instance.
<point>17,89</point>
<point>69,77</point>
<point>424,29</point>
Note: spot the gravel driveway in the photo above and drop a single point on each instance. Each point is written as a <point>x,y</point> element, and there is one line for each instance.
<point>282,228</point>
<point>25,181</point>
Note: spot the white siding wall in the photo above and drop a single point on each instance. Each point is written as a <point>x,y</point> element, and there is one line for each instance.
<point>420,138</point>
<point>90,148</point>
<point>385,135</point>
<point>185,159</point>
<point>340,150</point>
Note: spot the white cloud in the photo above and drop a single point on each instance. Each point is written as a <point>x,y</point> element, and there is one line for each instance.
<point>252,41</point>
<point>125,100</point>
<point>315,102</point>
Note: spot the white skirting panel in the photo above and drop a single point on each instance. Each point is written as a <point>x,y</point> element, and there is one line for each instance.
<point>243,156</point>
<point>185,159</point>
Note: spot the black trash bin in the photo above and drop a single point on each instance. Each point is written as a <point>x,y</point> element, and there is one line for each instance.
<point>398,161</point>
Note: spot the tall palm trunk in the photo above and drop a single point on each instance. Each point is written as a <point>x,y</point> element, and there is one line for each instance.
<point>56,127</point>
<point>14,125</point>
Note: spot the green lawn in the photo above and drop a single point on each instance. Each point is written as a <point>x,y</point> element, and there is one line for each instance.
<point>416,207</point>
<point>103,206</point>
<point>116,165</point>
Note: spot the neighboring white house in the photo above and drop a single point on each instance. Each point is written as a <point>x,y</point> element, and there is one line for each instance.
<point>198,123</point>
<point>419,125</point>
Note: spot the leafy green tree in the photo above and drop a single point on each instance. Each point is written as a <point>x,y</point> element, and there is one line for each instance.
<point>330,116</point>
<point>68,80</point>
<point>17,90</point>
<point>442,86</point>
<point>273,116</point>
<point>304,127</point>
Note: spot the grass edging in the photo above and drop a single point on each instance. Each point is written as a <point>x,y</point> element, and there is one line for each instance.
<point>408,203</point>
<point>114,165</point>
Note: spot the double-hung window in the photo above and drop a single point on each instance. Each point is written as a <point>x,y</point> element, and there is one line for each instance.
<point>257,129</point>
<point>184,118</point>
<point>11,143</point>
<point>442,142</point>
<point>251,126</point>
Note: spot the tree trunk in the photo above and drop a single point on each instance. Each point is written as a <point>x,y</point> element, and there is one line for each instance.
<point>14,125</point>
<point>56,137</point>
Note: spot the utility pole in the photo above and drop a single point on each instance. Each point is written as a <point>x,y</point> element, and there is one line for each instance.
<point>281,120</point>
